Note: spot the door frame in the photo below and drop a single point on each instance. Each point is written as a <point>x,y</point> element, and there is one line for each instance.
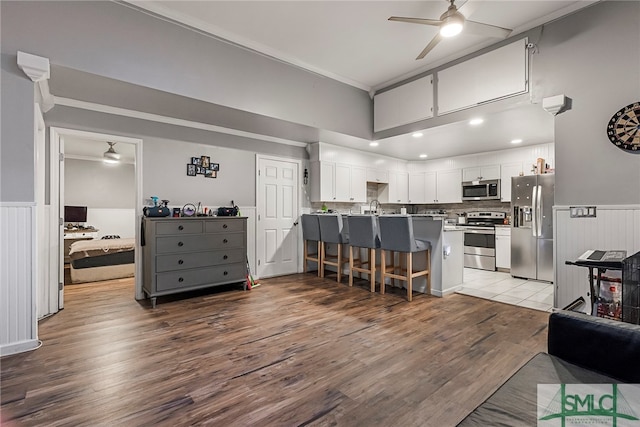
<point>56,133</point>
<point>299,164</point>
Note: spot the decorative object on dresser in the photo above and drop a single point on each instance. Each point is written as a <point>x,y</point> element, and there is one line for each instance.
<point>185,254</point>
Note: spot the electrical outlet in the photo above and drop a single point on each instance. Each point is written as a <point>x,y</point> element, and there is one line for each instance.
<point>582,211</point>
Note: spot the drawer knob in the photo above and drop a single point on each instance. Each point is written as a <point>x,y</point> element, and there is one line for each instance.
<point>225,273</point>
<point>180,279</point>
<point>225,257</point>
<point>180,228</point>
<point>180,244</point>
<point>224,225</point>
<point>180,262</point>
<point>225,241</point>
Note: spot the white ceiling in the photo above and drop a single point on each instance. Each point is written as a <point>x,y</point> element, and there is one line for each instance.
<point>92,149</point>
<point>353,42</point>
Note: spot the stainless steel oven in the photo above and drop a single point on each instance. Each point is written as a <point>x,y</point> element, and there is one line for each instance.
<point>480,247</point>
<point>480,239</point>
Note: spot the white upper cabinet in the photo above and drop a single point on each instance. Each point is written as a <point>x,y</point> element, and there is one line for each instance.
<point>507,172</point>
<point>404,104</point>
<point>481,172</point>
<point>358,184</point>
<point>417,190</point>
<point>398,189</point>
<point>331,182</point>
<point>449,186</point>
<point>350,183</point>
<point>496,74</point>
<point>435,187</point>
<point>377,175</point>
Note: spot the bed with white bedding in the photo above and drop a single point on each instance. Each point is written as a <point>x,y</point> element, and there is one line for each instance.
<point>104,259</point>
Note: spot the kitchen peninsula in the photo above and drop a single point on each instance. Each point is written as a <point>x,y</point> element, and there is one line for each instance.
<point>447,257</point>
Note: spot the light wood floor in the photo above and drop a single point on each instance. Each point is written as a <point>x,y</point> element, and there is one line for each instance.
<point>297,350</point>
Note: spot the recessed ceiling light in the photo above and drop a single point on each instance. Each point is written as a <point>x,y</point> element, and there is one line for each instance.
<point>476,121</point>
<point>373,144</point>
<point>417,134</point>
<point>516,141</point>
<point>423,156</point>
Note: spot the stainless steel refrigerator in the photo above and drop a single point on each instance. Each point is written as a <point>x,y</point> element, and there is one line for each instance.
<point>532,226</point>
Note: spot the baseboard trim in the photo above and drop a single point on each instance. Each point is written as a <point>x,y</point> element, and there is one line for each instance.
<point>19,347</point>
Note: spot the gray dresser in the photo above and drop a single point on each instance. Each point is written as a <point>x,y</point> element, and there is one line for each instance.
<point>183,254</point>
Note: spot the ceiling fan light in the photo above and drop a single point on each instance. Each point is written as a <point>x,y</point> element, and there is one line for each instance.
<point>451,27</point>
<point>110,156</point>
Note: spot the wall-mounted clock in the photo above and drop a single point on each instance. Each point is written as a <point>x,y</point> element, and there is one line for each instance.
<point>624,128</point>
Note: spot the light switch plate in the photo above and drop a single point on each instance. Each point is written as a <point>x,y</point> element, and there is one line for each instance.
<point>582,211</point>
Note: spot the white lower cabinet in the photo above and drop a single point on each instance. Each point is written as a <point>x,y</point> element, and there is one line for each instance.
<point>503,248</point>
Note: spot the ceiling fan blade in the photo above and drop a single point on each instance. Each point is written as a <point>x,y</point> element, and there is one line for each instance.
<point>486,30</point>
<point>421,21</point>
<point>430,46</point>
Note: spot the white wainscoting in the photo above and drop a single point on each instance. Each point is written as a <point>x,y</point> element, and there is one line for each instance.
<point>18,326</point>
<point>614,227</point>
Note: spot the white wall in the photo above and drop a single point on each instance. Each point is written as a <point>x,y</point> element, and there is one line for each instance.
<point>108,191</point>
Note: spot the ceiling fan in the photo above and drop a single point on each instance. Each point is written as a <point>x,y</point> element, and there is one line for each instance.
<point>451,23</point>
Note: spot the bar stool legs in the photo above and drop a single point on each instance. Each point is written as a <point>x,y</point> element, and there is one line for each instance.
<point>357,264</point>
<point>405,271</point>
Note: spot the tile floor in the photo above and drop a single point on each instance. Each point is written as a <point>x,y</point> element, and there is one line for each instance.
<point>498,286</point>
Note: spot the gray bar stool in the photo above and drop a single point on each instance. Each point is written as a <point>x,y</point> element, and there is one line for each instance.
<point>363,233</point>
<point>331,232</point>
<point>311,233</point>
<point>396,235</point>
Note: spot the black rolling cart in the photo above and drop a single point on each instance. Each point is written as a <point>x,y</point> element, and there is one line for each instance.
<point>598,263</point>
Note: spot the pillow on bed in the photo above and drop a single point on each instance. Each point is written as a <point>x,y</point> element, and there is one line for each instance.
<point>111,236</point>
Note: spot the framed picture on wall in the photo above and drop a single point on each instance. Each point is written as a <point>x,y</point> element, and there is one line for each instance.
<point>210,174</point>
<point>200,170</point>
<point>215,166</point>
<point>196,160</point>
<point>191,169</point>
<point>204,161</point>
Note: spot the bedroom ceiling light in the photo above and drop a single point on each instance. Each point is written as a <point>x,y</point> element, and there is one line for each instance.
<point>110,156</point>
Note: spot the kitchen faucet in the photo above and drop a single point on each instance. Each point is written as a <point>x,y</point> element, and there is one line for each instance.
<point>377,204</point>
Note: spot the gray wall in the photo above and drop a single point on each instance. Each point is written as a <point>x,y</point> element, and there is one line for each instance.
<point>17,147</point>
<point>98,185</point>
<point>112,40</point>
<point>165,175</point>
<point>593,57</point>
<point>168,148</point>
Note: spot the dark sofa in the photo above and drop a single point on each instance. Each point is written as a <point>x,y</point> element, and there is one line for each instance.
<point>582,349</point>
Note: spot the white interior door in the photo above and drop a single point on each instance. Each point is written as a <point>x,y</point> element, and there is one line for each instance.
<point>60,156</point>
<point>277,200</point>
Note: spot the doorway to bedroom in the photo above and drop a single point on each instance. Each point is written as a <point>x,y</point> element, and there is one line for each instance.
<point>96,185</point>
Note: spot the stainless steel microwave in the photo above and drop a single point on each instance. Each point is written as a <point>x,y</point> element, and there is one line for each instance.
<point>481,190</point>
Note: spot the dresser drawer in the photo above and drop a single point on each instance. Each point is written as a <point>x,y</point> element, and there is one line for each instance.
<point>202,276</point>
<point>178,226</point>
<point>223,225</point>
<point>199,259</point>
<point>180,244</point>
